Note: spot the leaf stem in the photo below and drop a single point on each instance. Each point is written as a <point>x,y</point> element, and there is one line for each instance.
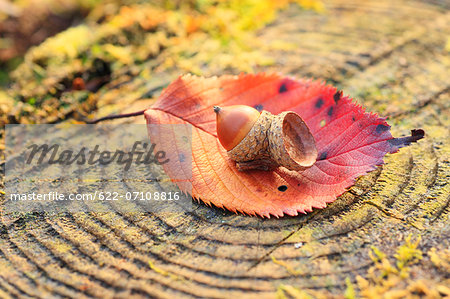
<point>115,116</point>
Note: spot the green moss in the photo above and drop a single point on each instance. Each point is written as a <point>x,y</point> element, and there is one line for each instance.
<point>384,279</point>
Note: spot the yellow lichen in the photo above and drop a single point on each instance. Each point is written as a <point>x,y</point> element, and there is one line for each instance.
<point>63,46</point>
<point>163,272</point>
<point>441,259</point>
<point>384,279</point>
<point>408,253</point>
<point>122,54</point>
<point>288,291</point>
<point>350,292</point>
<point>288,268</point>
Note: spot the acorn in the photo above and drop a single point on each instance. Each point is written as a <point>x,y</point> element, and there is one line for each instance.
<point>265,141</point>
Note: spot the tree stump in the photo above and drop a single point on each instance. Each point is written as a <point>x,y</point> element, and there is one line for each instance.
<point>389,56</point>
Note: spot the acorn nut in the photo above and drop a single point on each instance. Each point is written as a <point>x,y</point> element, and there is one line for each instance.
<point>265,141</point>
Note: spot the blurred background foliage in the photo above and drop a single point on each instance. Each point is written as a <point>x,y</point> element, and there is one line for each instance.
<point>47,75</point>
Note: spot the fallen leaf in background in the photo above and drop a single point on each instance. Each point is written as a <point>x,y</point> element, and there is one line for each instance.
<point>350,142</point>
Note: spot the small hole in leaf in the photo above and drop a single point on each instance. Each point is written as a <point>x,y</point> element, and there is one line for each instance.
<point>259,107</point>
<point>323,156</point>
<point>282,188</point>
<point>322,123</point>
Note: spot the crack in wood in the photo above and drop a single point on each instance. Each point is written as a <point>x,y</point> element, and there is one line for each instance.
<point>310,217</point>
<point>392,213</point>
<point>422,104</point>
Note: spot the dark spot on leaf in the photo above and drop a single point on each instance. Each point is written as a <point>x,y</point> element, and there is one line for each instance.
<point>319,103</point>
<point>353,118</point>
<point>323,156</point>
<point>337,96</point>
<point>330,111</point>
<point>182,157</point>
<point>282,88</point>
<point>381,128</point>
<point>259,107</point>
<point>282,188</point>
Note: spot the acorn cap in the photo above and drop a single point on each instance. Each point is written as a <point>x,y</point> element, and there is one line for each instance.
<point>291,143</point>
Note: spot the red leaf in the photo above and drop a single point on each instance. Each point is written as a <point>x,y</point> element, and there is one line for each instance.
<point>350,142</point>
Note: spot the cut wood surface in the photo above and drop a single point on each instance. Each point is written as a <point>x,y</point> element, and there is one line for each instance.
<point>393,58</point>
